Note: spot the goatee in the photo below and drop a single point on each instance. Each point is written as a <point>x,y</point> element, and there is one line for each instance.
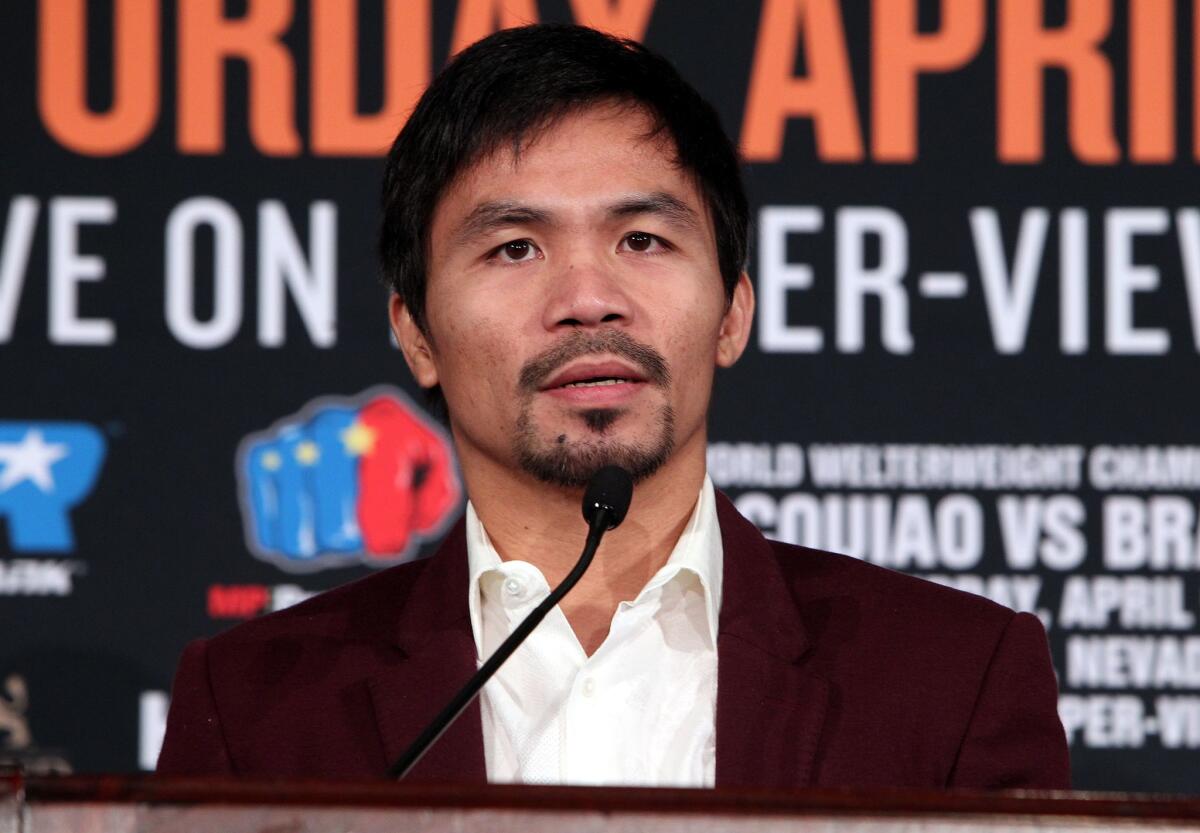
<point>571,463</point>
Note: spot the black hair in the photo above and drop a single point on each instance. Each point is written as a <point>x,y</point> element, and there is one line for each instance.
<point>510,85</point>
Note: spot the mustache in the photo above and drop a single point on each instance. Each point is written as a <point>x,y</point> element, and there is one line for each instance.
<point>645,358</point>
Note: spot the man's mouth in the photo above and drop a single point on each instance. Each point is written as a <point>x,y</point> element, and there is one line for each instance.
<point>595,383</point>
<point>594,364</point>
<point>593,374</point>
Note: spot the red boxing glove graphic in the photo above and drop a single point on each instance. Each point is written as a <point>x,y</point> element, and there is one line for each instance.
<point>407,482</point>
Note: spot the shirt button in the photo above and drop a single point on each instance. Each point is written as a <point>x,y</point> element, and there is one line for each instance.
<point>513,586</point>
<point>589,687</point>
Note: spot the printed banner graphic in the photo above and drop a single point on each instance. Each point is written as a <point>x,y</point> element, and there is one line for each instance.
<point>975,252</point>
<point>46,468</point>
<point>366,479</point>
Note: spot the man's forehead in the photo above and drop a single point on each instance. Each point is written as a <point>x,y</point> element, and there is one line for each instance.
<point>568,138</point>
<point>640,174</point>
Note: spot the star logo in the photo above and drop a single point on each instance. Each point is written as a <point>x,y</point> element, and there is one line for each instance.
<point>31,459</point>
<point>46,469</point>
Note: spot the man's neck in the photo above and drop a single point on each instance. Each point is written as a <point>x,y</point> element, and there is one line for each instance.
<point>529,521</point>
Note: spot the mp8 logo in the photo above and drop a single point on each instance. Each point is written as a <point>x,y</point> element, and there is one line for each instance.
<point>362,479</point>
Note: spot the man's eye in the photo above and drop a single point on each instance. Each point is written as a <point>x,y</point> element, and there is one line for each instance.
<point>640,241</point>
<point>516,251</point>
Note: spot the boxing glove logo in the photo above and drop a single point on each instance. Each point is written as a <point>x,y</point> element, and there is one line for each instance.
<point>346,481</point>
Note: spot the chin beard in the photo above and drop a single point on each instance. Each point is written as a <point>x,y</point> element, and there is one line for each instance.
<point>571,463</point>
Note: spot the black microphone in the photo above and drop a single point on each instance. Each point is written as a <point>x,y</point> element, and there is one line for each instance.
<point>605,502</point>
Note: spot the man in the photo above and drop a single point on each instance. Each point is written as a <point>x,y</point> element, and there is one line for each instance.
<point>565,234</point>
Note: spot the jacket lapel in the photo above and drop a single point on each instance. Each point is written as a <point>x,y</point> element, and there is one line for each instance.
<point>770,710</point>
<point>437,657</point>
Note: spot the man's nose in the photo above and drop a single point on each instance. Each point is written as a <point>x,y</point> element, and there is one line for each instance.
<point>586,291</point>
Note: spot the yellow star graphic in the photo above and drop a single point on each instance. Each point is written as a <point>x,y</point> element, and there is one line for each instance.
<point>271,461</point>
<point>358,439</point>
<point>307,453</point>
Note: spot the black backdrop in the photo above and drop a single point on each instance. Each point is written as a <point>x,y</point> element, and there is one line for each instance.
<point>974,357</point>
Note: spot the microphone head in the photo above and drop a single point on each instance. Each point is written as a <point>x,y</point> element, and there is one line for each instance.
<point>612,488</point>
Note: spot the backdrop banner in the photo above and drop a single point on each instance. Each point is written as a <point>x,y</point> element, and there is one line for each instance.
<point>976,252</point>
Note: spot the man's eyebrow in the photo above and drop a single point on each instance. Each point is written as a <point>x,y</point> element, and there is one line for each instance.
<point>488,216</point>
<point>672,209</point>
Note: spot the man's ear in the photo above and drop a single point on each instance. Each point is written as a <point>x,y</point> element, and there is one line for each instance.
<point>735,326</point>
<point>413,343</point>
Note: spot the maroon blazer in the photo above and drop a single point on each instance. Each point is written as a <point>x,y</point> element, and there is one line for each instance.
<point>831,672</point>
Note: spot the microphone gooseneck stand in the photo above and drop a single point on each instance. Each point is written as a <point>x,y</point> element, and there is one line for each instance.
<point>605,502</point>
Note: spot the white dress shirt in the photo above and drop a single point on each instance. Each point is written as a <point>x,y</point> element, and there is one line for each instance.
<point>641,709</point>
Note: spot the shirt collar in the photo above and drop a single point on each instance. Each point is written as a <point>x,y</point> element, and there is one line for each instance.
<point>698,550</point>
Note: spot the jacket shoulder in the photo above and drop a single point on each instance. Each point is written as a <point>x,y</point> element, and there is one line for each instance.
<point>872,625</point>
<point>357,610</point>
<point>816,572</point>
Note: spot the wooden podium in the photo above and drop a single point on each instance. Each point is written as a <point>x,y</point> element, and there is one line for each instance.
<point>149,804</point>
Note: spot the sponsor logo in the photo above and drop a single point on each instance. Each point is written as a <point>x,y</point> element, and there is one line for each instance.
<point>39,576</point>
<point>365,479</point>
<point>243,601</point>
<point>46,468</point>
<point>17,747</point>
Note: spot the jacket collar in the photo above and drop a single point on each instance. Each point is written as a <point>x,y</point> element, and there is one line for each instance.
<point>770,709</point>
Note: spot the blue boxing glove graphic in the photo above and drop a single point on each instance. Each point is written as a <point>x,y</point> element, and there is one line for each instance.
<point>301,488</point>
<point>46,468</point>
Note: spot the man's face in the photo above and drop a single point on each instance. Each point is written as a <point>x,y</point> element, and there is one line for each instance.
<point>575,310</point>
